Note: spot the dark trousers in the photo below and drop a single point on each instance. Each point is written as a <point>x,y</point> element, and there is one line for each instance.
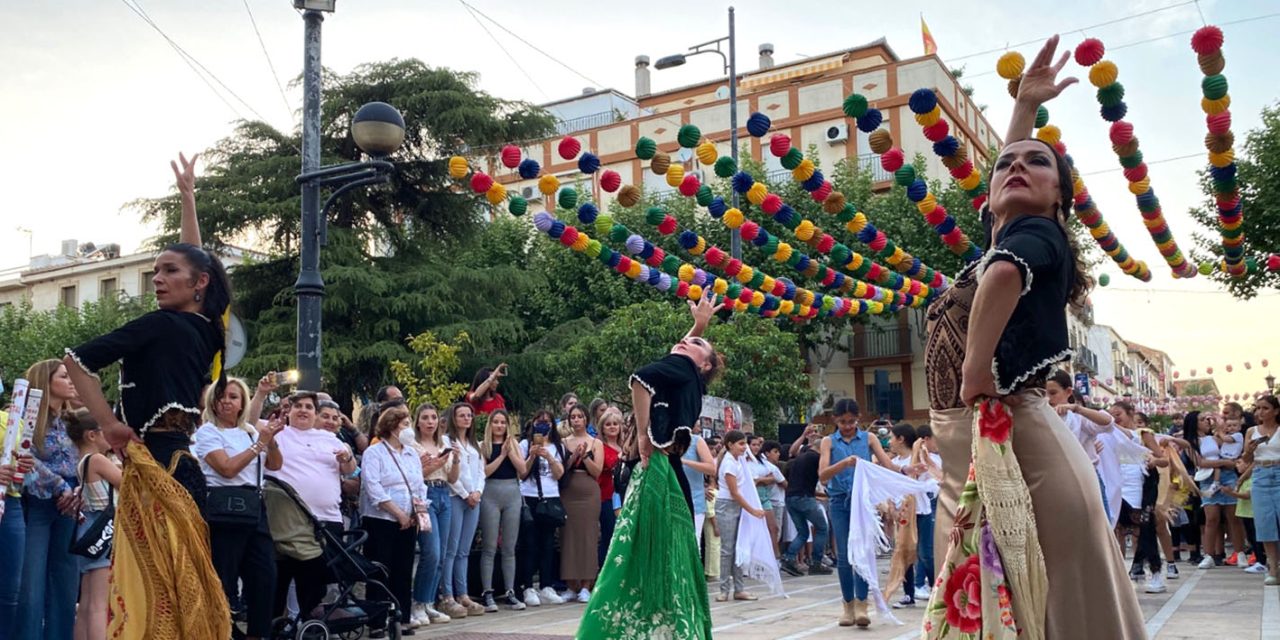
<point>1148,548</point>
<point>312,578</point>
<point>535,552</point>
<point>393,548</point>
<point>246,553</point>
<point>608,520</point>
<point>172,450</point>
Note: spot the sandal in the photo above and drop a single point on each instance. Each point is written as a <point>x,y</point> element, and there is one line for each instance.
<point>743,595</point>
<point>724,597</point>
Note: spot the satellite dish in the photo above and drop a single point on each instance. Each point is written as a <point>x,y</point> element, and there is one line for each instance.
<point>684,154</point>
<point>722,93</point>
<point>237,343</point>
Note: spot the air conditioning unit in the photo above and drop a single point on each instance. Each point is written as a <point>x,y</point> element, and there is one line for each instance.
<point>837,133</point>
<point>531,194</point>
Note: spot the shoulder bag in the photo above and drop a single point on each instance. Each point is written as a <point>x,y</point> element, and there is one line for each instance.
<point>548,512</point>
<point>421,518</point>
<point>96,540</point>
<point>236,505</point>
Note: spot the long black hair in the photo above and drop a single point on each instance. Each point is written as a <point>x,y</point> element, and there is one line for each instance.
<point>215,302</point>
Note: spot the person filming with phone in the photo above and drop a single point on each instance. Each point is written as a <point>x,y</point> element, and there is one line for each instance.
<point>484,396</point>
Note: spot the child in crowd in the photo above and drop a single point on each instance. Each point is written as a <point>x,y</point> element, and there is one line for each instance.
<point>99,477</point>
<point>1230,446</point>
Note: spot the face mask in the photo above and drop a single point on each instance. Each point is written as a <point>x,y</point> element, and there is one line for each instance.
<point>541,428</point>
<point>406,435</point>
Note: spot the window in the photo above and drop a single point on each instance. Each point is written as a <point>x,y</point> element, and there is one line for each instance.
<point>69,297</point>
<point>145,285</point>
<point>107,288</point>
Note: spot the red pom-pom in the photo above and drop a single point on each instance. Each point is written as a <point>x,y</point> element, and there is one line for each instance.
<point>682,289</point>
<point>749,230</point>
<point>937,280</point>
<point>689,186</point>
<point>667,226</point>
<point>1080,198</point>
<point>952,238</point>
<point>813,312</point>
<point>1121,133</point>
<point>1089,217</point>
<point>624,265</point>
<point>1228,201</point>
<point>569,147</point>
<point>914,288</point>
<point>1090,52</point>
<point>480,182</point>
<point>569,236</point>
<point>1153,215</point>
<point>1136,174</point>
<point>745,296</point>
<point>822,191</point>
<point>935,217</point>
<point>714,256</point>
<point>871,288</point>
<point>655,259</point>
<point>1273,262</point>
<point>937,130</point>
<point>772,204</point>
<point>878,243</point>
<point>1219,122</point>
<point>734,266</point>
<point>1207,40</point>
<point>875,272</point>
<point>829,279</point>
<point>1060,147</point>
<point>825,243</point>
<point>892,159</point>
<point>979,201</point>
<point>610,180</point>
<point>511,156</point>
<point>779,287</point>
<point>779,144</point>
<point>962,171</point>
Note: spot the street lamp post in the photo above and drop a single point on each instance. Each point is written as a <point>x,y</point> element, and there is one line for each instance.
<point>378,130</point>
<point>1271,383</point>
<point>731,68</point>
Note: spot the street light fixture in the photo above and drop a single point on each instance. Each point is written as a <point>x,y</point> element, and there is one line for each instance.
<point>378,130</point>
<point>730,67</point>
<point>1271,382</point>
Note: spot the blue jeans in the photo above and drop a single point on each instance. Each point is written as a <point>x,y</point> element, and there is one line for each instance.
<point>463,520</point>
<point>431,547</point>
<point>13,544</point>
<point>50,574</point>
<point>852,587</point>
<point>804,511</point>
<point>1105,507</point>
<point>924,549</point>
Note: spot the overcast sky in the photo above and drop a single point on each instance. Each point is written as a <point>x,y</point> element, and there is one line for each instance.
<point>94,102</point>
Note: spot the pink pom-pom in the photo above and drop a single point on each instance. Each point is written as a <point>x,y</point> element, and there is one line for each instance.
<point>952,238</point>
<point>667,226</point>
<point>1136,174</point>
<point>914,288</point>
<point>892,159</point>
<point>569,147</point>
<point>569,236</point>
<point>1219,122</point>
<point>779,144</point>
<point>1207,40</point>
<point>772,204</point>
<point>878,243</point>
<point>714,256</point>
<point>689,186</point>
<point>826,243</point>
<point>1273,264</point>
<point>655,259</point>
<point>682,289</point>
<point>937,280</point>
<point>830,278</point>
<point>610,180</point>
<point>1090,52</point>
<point>745,296</point>
<point>749,230</point>
<point>480,182</point>
<point>937,130</point>
<point>779,287</point>
<point>733,267</point>
<point>624,265</point>
<point>511,156</point>
<point>1121,133</point>
<point>822,192</point>
<point>962,171</point>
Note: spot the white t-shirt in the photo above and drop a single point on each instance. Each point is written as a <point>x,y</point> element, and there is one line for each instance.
<point>232,441</point>
<point>1233,448</point>
<point>729,466</point>
<point>1086,432</point>
<point>777,494</point>
<point>311,468</point>
<point>550,486</point>
<point>1132,474</point>
<point>924,505</point>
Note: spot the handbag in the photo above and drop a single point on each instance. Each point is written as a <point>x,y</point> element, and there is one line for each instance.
<point>421,519</point>
<point>548,512</point>
<point>235,505</point>
<point>96,540</point>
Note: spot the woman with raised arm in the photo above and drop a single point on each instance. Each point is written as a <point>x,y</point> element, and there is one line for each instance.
<point>1014,513</point>
<point>651,585</point>
<point>163,583</point>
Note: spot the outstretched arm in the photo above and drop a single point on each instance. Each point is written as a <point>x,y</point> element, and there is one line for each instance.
<point>186,179</point>
<point>702,311</point>
<point>1038,85</point>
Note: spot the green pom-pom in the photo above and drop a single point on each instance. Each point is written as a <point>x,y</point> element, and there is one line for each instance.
<point>604,222</point>
<point>1111,95</point>
<point>604,256</point>
<point>1214,87</point>
<point>594,247</point>
<point>1132,161</point>
<point>1166,235</point>
<point>1104,280</point>
<point>705,196</point>
<point>1251,264</point>
<point>517,206</point>
<point>689,136</point>
<point>792,159</point>
<point>654,215</point>
<point>726,167</point>
<point>978,190</point>
<point>568,198</point>
<point>855,105</point>
<point>771,246</point>
<point>1233,233</point>
<point>840,254</point>
<point>1042,116</point>
<point>757,279</point>
<point>905,175</point>
<point>1225,186</point>
<point>794,222</point>
<point>619,233</point>
<point>671,265</point>
<point>828,302</point>
<point>794,259</point>
<point>734,291</point>
<point>847,213</point>
<point>821,274</point>
<point>889,248</point>
<point>861,271</point>
<point>1148,207</point>
<point>753,309</point>
<point>645,148</point>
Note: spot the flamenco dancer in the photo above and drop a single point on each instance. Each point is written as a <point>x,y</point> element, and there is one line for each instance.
<point>651,584</point>
<point>1028,499</point>
<point>163,584</point>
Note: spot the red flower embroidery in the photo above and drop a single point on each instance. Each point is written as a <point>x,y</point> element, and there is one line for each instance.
<point>963,597</point>
<point>994,421</point>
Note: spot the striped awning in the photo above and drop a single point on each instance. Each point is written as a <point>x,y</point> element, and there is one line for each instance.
<point>794,71</point>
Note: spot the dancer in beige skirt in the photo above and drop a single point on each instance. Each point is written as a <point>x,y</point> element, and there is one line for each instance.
<point>995,334</point>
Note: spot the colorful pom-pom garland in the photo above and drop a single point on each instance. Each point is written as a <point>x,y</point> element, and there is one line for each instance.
<point>947,147</point>
<point>1207,43</point>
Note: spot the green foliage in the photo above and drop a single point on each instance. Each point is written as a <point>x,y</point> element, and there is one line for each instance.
<point>430,378</point>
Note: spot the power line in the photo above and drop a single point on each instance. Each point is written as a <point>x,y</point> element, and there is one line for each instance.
<point>275,76</point>
<point>1148,163</point>
<point>191,66</point>
<point>532,46</point>
<point>504,50</point>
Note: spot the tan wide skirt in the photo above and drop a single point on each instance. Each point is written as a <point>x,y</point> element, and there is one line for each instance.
<point>1090,595</point>
<point>580,537</point>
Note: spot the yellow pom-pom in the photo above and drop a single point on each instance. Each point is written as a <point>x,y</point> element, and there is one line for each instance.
<point>855,261</point>
<point>720,286</point>
<point>1077,186</point>
<point>757,193</point>
<point>458,168</point>
<point>786,307</point>
<point>1050,134</point>
<point>695,292</point>
<point>1140,187</point>
<point>739,306</point>
<point>1010,65</point>
<point>875,307</point>
<point>931,118</point>
<point>805,231</point>
<point>927,203</point>
<point>707,153</point>
<point>757,299</point>
<point>1098,232</point>
<point>857,223</point>
<point>580,243</point>
<point>732,218</point>
<point>496,193</point>
<point>675,175</point>
<point>1223,159</point>
<point>924,291</point>
<point>860,289</point>
<point>744,276</point>
<point>700,247</point>
<point>783,252</point>
<point>971,181</point>
<point>804,297</point>
<point>895,257</point>
<point>633,271</point>
<point>1150,224</point>
<point>1103,74</point>
<point>767,284</point>
<point>1115,251</point>
<point>1166,244</point>
<point>548,185</point>
<point>803,171</point>
<point>685,273</point>
<point>1214,107</point>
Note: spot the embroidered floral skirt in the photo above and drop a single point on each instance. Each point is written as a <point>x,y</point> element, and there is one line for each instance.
<point>651,585</point>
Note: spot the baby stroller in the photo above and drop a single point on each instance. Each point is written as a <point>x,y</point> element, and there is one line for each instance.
<point>299,535</point>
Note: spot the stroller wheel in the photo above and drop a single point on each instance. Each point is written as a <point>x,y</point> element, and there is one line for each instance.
<point>313,630</point>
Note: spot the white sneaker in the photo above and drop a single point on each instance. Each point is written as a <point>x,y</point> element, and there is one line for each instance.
<point>435,616</point>
<point>531,598</point>
<point>1256,568</point>
<point>584,595</point>
<point>1207,563</point>
<point>922,593</point>
<point>550,596</point>
<point>418,615</point>
<point>1156,583</point>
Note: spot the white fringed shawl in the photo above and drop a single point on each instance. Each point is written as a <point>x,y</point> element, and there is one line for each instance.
<point>754,550</point>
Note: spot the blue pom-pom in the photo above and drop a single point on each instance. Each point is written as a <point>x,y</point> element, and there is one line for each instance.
<point>946,147</point>
<point>717,207</point>
<point>973,254</point>
<point>790,293</point>
<point>655,276</point>
<point>529,168</point>
<point>783,216</point>
<point>1070,161</point>
<point>802,263</point>
<point>916,266</point>
<point>870,121</point>
<point>862,306</point>
<point>946,226</point>
<point>923,101</point>
<point>1114,112</point>
<point>907,299</point>
<point>587,213</point>
<point>839,281</point>
<point>761,239</point>
<point>646,251</point>
<point>770,302</point>
<point>588,163</point>
<point>614,257</point>
<point>1147,199</point>
<point>556,230</point>
<point>688,239</point>
<point>758,124</point>
<point>817,300</point>
<point>814,182</point>
<point>917,191</point>
<point>1223,173</point>
<point>867,233</point>
<point>898,280</point>
<point>742,181</point>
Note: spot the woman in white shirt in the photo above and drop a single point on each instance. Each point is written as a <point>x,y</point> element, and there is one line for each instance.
<point>390,485</point>
<point>1085,424</point>
<point>464,511</point>
<point>234,454</point>
<point>544,458</point>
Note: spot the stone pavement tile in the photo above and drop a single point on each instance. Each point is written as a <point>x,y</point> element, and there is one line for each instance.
<point>1225,603</point>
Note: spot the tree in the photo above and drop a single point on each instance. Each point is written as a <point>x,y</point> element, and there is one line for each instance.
<point>431,377</point>
<point>1258,174</point>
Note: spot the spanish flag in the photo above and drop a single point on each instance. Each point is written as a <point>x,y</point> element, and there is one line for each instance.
<point>930,46</point>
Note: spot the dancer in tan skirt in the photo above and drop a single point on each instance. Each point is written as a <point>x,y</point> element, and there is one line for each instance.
<point>1031,554</point>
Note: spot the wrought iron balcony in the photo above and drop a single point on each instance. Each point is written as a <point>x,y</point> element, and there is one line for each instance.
<point>874,343</point>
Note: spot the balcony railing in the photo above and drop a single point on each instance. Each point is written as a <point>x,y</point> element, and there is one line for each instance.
<point>582,123</point>
<point>1086,360</point>
<point>879,342</point>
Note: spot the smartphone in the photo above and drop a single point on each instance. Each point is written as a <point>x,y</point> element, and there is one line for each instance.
<point>539,439</point>
<point>286,377</point>
<point>444,452</point>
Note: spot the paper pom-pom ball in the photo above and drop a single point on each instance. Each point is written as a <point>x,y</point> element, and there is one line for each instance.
<point>855,105</point>
<point>660,163</point>
<point>892,159</point>
<point>792,160</point>
<point>1206,40</point>
<point>569,147</point>
<point>922,101</point>
<point>568,198</point>
<point>1121,133</point>
<point>820,194</point>
<point>510,156</point>
<point>629,196</point>
<point>1111,95</point>
<point>936,131</point>
<point>757,193</point>
<point>529,168</point>
<point>733,218</point>
<point>496,193</point>
<point>758,124</point>
<point>645,148</point>
<point>706,153</point>
<point>610,180</point>
<point>635,244</point>
<point>1042,116</point>
<point>589,163</point>
<point>870,121</point>
<point>880,141</point>
<point>542,221</point>
<point>1211,63</point>
<point>1104,280</point>
<point>1273,264</point>
<point>517,206</point>
<point>689,185</point>
<point>905,175</point>
<point>1114,113</point>
<point>548,185</point>
<point>1050,134</point>
<point>1214,87</point>
<point>1103,73</point>
<point>480,182</point>
<point>1010,65</point>
<point>689,136</point>
<point>704,195</point>
<point>569,236</point>
<point>588,213</point>
<point>1089,52</point>
<point>947,146</point>
<point>726,167</point>
<point>779,144</point>
<point>917,190</point>
<point>1219,122</point>
<point>675,174</point>
<point>1014,84</point>
<point>458,167</point>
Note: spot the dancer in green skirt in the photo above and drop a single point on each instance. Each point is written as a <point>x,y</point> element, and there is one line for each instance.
<point>651,585</point>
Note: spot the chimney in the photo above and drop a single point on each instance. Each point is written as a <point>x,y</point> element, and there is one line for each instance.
<point>642,76</point>
<point>586,91</point>
<point>766,56</point>
<point>70,248</point>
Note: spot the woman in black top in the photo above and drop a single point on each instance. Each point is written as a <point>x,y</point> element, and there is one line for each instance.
<point>164,585</point>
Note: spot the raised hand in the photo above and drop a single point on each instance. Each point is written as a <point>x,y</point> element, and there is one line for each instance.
<point>185,175</point>
<point>705,308</point>
<point>1040,80</point>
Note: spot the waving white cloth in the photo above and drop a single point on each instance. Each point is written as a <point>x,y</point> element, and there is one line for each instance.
<point>873,485</point>
<point>1118,448</point>
<point>754,551</point>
